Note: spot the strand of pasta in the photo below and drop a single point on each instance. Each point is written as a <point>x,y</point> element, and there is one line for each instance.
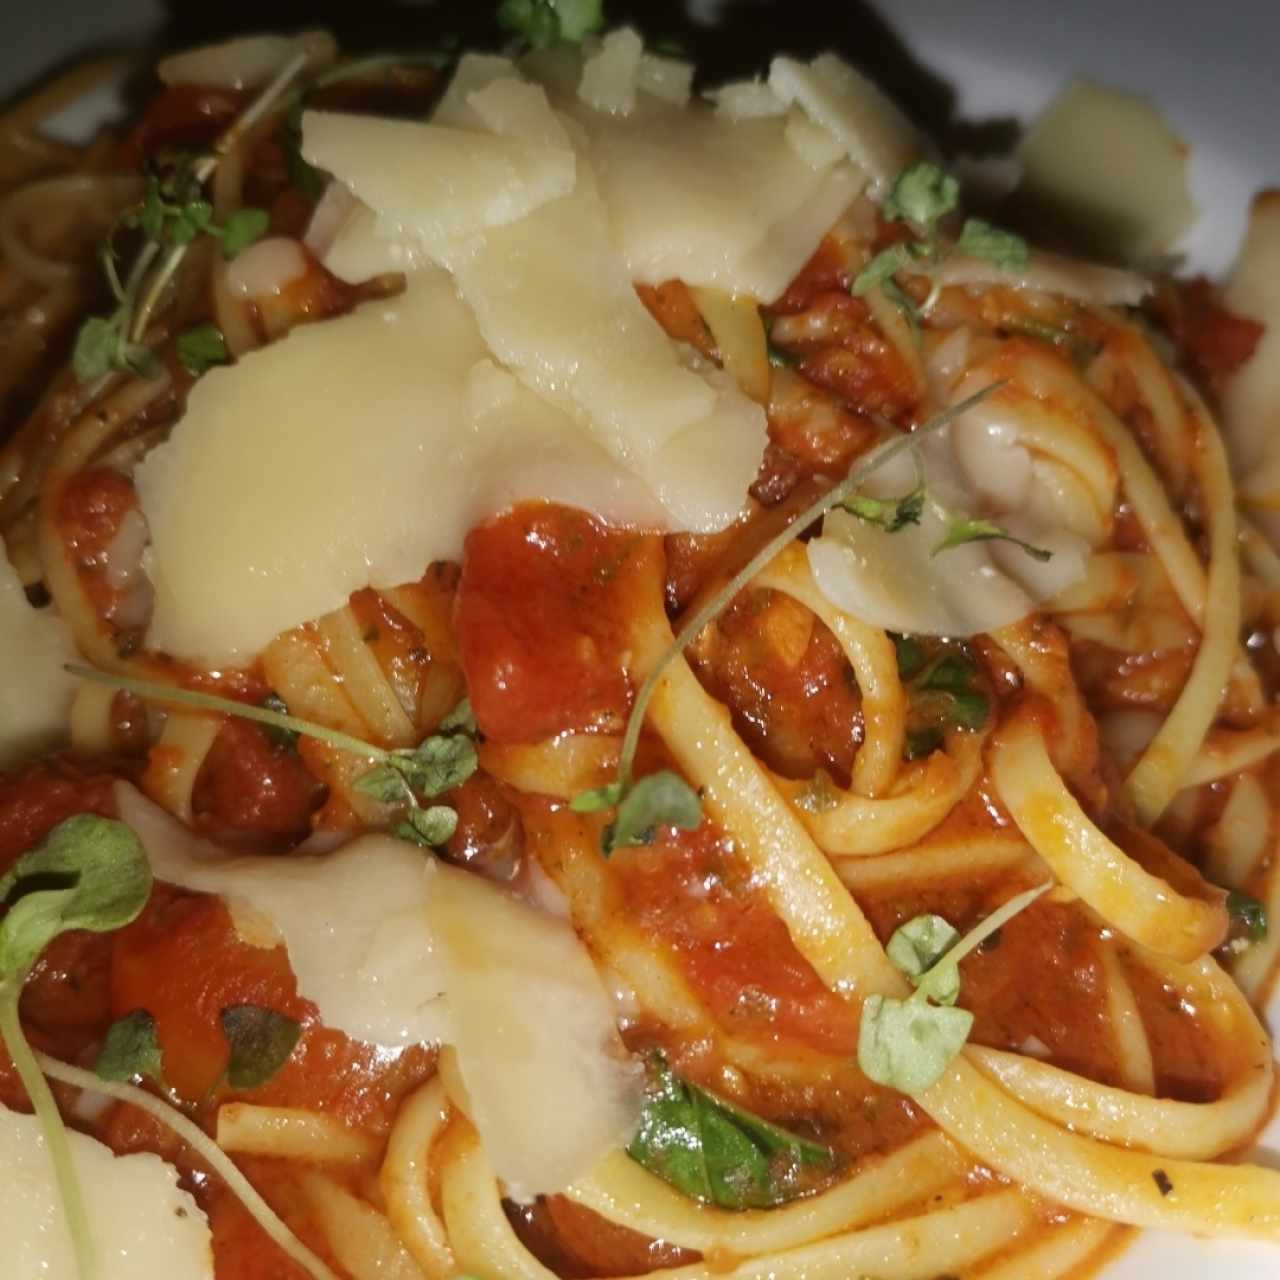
<point>908,1249</point>
<point>879,1187</point>
<point>875,665</point>
<point>829,930</point>
<point>941,859</point>
<point>1140,904</point>
<point>361,1239</point>
<point>405,1183</point>
<point>1154,780</point>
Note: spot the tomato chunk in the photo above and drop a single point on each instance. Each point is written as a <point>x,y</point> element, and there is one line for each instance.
<point>539,623</point>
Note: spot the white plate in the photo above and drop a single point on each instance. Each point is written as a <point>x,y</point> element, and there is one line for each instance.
<point>1211,68</point>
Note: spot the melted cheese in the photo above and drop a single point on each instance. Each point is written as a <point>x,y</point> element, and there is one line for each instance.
<point>35,694</point>
<point>1251,402</point>
<point>143,1224</point>
<point>395,948</point>
<point>547,1082</point>
<point>1110,162</point>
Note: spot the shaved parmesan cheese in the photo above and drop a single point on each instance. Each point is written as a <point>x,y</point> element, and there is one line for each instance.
<point>548,1085</point>
<point>747,100</point>
<point>873,133</point>
<point>811,142</point>
<point>246,62</point>
<point>665,78</point>
<point>265,268</point>
<point>1110,162</point>
<point>353,921</point>
<point>395,948</point>
<point>610,74</point>
<point>141,1221</point>
<point>899,581</point>
<point>1051,273</point>
<point>673,183</point>
<point>355,251</point>
<point>35,694</point>
<point>475,71</point>
<point>437,181</point>
<point>1251,402</point>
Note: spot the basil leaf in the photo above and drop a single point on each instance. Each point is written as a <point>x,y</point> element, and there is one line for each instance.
<point>718,1153</point>
<point>657,799</point>
<point>980,239</point>
<point>130,1049</point>
<point>908,1044</point>
<point>92,874</point>
<point>922,195</point>
<point>1250,913</point>
<point>242,228</point>
<point>889,514</point>
<point>920,944</point>
<point>261,1041</point>
<point>201,347</point>
<point>438,764</point>
<point>950,672</point>
<point>429,827</point>
<point>963,529</point>
<point>969,710</point>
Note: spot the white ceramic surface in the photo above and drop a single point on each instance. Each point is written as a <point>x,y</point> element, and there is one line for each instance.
<point>1212,67</point>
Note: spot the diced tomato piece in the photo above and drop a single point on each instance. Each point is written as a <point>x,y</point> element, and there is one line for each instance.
<point>539,622</point>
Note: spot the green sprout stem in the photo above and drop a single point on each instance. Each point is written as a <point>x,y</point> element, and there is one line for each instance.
<point>55,1132</point>
<point>713,606</point>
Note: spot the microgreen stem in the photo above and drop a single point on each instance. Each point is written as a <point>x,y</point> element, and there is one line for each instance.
<point>246,711</point>
<point>832,498</point>
<point>202,171</point>
<point>55,1132</point>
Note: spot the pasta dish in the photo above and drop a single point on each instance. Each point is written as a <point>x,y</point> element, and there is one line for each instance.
<point>605,677</point>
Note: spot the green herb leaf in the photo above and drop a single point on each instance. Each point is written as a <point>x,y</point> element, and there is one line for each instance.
<point>88,873</point>
<point>261,1042</point>
<point>904,302</point>
<point>430,827</point>
<point>1250,913</point>
<point>130,1049</point>
<point>440,763</point>
<point>546,22</point>
<point>980,239</point>
<point>922,195</point>
<point>910,653</point>
<point>918,945</point>
<point>658,799</point>
<point>884,265</point>
<point>385,784</point>
<point>906,1044</point>
<point>201,347</point>
<point>598,798</point>
<point>460,720</point>
<point>242,228</point>
<point>275,733</point>
<point>963,529</point>
<point>889,514</point>
<point>95,348</point>
<point>781,359</point>
<point>718,1153</point>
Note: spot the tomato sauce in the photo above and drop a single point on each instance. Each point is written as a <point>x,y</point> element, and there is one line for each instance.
<point>539,622</point>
